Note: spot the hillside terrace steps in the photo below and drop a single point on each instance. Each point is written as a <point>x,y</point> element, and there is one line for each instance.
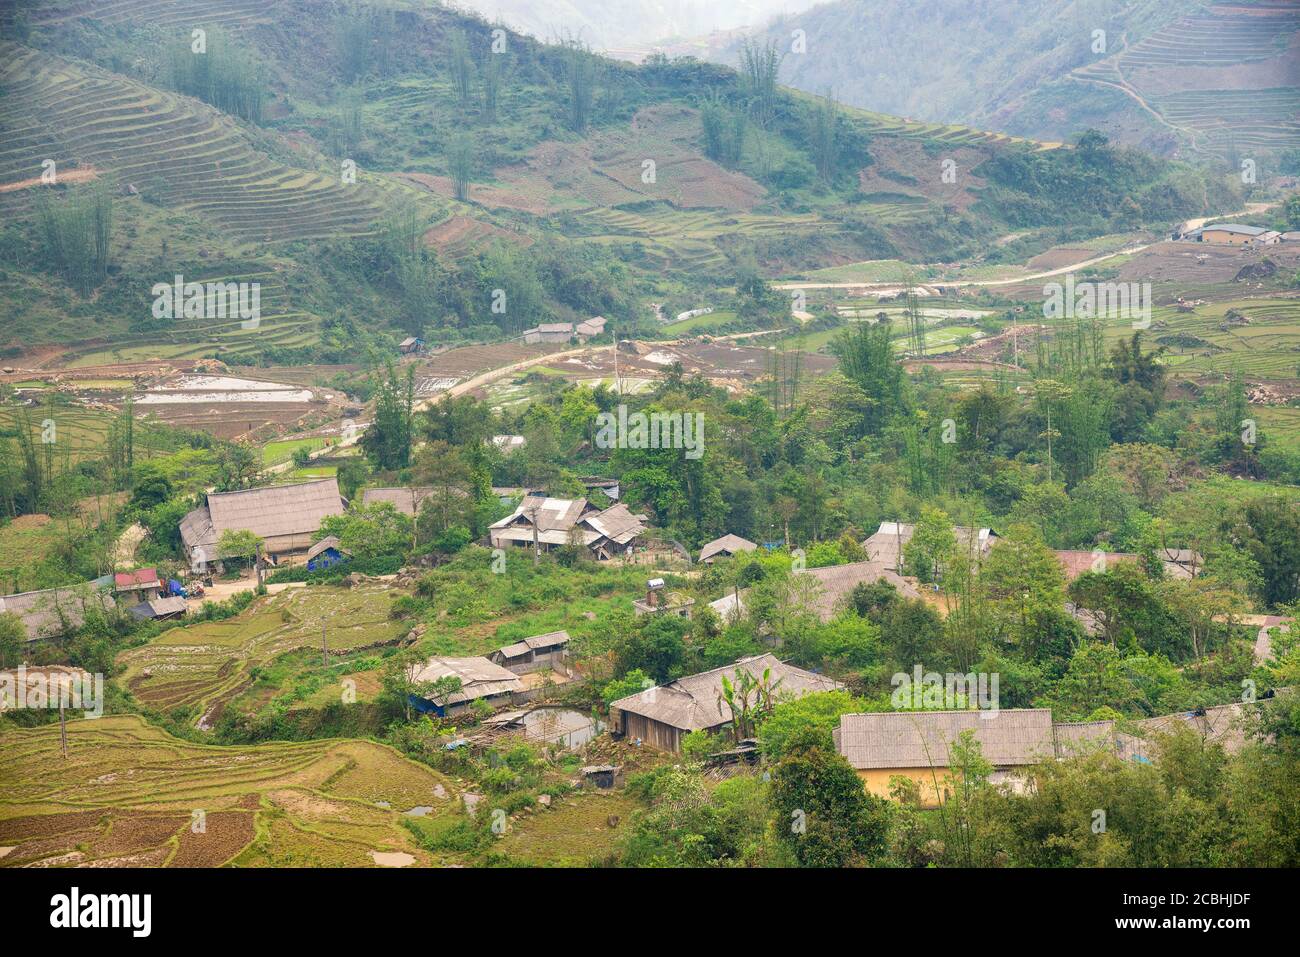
<point>178,150</point>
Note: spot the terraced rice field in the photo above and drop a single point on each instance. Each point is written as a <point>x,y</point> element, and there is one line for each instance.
<point>1243,119</point>
<point>281,325</point>
<point>1266,347</point>
<point>131,795</point>
<point>202,667</point>
<point>1226,72</point>
<point>687,239</point>
<point>228,13</point>
<point>173,149</point>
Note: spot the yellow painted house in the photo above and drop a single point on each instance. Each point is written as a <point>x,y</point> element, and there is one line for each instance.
<point>918,745</point>
<point>1230,234</point>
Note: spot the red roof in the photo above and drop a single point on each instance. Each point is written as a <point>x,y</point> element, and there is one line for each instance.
<point>141,576</point>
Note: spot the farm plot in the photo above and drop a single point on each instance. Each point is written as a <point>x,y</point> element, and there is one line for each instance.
<point>1263,343</point>
<point>173,149</point>
<point>665,236</point>
<point>229,406</point>
<point>201,668</point>
<point>468,361</point>
<point>130,795</point>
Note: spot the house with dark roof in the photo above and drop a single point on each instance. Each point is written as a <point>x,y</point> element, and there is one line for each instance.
<point>660,717</point>
<point>725,547</point>
<point>286,518</point>
<point>535,653</point>
<point>918,745</point>
<point>158,608</point>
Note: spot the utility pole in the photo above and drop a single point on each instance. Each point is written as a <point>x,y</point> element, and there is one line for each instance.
<point>324,647</point>
<point>618,389</point>
<point>63,726</point>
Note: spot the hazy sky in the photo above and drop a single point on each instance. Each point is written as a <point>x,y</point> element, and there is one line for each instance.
<point>614,24</point>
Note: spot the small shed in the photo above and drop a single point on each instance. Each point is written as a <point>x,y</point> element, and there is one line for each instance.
<point>411,345</point>
<point>601,775</point>
<point>326,553</point>
<point>534,653</point>
<point>158,608</point>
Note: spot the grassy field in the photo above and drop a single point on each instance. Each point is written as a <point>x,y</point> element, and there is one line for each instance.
<point>273,453</point>
<point>574,832</point>
<point>129,794</point>
<point>202,668</point>
<point>699,323</point>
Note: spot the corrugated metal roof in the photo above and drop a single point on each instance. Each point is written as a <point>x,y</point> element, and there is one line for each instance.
<point>479,678</point>
<point>923,739</point>
<point>43,613</point>
<point>324,545</point>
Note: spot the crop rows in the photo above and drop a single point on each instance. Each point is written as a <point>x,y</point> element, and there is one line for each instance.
<point>171,148</point>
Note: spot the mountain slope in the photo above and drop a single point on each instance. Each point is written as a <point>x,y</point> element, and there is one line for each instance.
<point>1163,75</point>
<point>584,186</point>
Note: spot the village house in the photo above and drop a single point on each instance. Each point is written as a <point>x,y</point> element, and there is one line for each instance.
<point>660,717</point>
<point>137,586</point>
<point>285,517</point>
<point>731,606</point>
<point>326,554</point>
<point>888,545</point>
<point>725,547</point>
<point>534,653</point>
<point>1181,562</point>
<point>411,345</point>
<point>549,332</point>
<point>607,533</point>
<point>57,612</point>
<point>1230,234</point>
<point>171,606</point>
<point>589,328</point>
<point>480,679</point>
<point>838,581</point>
<point>918,745</point>
<point>1076,562</point>
<point>509,443</point>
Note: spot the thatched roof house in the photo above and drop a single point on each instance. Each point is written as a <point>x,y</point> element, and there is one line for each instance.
<point>889,542</point>
<point>285,517</point>
<point>661,716</point>
<point>838,581</point>
<point>725,547</point>
<point>405,500</point>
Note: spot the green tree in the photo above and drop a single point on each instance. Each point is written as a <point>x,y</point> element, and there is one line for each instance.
<point>821,812</point>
